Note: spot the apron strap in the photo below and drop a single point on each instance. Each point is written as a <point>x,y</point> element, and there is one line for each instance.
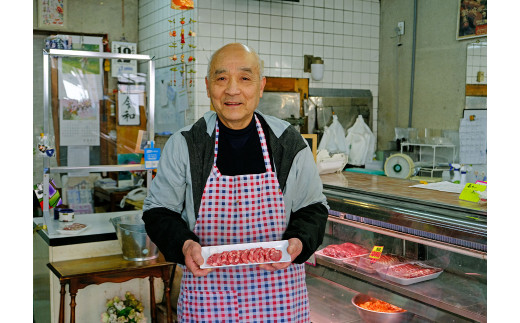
<point>263,145</point>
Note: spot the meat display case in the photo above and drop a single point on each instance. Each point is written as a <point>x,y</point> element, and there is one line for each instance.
<point>431,227</point>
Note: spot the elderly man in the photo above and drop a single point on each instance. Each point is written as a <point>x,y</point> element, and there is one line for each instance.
<point>237,176</point>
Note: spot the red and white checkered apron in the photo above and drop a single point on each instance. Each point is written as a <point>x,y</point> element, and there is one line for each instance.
<point>243,209</point>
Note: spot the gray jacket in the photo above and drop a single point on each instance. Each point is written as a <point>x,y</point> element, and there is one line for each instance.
<point>187,159</point>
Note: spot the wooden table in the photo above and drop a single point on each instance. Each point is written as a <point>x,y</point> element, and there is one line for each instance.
<point>81,273</point>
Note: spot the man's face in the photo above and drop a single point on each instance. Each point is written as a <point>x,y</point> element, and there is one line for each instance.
<point>234,85</point>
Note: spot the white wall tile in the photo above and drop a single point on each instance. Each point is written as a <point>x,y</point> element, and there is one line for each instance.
<point>297,24</point>
<point>265,8</point>
<point>276,22</point>
<point>276,35</point>
<point>253,33</point>
<point>229,5</point>
<point>229,17</point>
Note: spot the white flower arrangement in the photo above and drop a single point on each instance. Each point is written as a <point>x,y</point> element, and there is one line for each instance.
<point>129,310</point>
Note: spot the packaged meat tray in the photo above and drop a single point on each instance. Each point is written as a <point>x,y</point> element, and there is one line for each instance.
<point>409,273</point>
<point>363,262</point>
<point>336,253</point>
<point>245,254</point>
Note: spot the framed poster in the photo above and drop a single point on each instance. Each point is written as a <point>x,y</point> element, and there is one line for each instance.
<point>52,13</point>
<point>472,19</point>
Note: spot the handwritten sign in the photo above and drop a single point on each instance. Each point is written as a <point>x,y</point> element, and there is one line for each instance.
<point>375,254</point>
<point>128,109</point>
<point>469,192</point>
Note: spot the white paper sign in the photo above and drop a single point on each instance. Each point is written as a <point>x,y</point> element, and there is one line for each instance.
<point>128,109</point>
<point>124,66</point>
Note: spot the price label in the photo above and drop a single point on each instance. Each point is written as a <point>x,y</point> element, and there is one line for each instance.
<point>151,157</point>
<point>469,192</point>
<point>375,254</point>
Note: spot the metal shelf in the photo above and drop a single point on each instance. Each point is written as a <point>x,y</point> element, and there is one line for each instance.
<point>94,169</point>
<point>433,166</point>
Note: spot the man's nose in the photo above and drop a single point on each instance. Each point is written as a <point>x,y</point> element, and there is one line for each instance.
<point>233,87</point>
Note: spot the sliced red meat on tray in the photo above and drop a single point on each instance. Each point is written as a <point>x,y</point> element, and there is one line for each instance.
<point>411,270</point>
<point>244,256</point>
<point>275,255</point>
<point>344,250</point>
<point>253,255</point>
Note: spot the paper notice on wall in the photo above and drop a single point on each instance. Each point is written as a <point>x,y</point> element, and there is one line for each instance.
<point>128,109</point>
<point>473,139</point>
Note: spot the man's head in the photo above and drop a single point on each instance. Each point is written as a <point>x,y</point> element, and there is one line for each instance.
<point>235,84</point>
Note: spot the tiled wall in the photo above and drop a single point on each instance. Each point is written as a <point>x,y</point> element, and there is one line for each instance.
<point>345,33</point>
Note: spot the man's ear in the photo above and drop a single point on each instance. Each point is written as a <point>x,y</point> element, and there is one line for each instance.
<point>207,86</point>
<point>262,86</point>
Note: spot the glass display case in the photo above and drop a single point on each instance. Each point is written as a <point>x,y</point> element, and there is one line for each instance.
<point>434,258</point>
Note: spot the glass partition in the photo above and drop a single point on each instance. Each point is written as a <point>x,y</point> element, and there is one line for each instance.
<point>96,136</point>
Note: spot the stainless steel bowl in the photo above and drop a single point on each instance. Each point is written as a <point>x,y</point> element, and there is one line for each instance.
<point>377,317</point>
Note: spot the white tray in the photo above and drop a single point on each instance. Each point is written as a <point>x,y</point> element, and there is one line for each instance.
<point>365,264</point>
<point>354,261</point>
<point>279,245</point>
<point>338,261</point>
<point>408,281</point>
<point>70,232</point>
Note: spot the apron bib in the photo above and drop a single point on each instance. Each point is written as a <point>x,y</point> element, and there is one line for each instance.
<point>243,209</point>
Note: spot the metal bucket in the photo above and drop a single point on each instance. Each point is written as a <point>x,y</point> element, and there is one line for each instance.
<point>132,236</point>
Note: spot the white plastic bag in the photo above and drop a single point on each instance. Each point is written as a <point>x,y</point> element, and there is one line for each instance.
<point>361,143</point>
<point>328,164</point>
<point>333,139</point>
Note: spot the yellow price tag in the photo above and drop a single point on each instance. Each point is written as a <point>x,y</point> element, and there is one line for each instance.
<point>376,253</point>
<point>469,192</point>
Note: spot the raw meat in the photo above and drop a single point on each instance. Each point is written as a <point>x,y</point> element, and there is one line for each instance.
<point>235,257</point>
<point>74,226</point>
<point>411,270</point>
<point>364,262</point>
<point>344,250</point>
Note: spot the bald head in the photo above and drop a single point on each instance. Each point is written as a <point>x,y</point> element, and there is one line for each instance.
<point>233,47</point>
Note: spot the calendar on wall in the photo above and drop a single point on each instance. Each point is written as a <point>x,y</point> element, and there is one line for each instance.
<point>122,66</point>
<point>79,122</point>
<point>80,89</point>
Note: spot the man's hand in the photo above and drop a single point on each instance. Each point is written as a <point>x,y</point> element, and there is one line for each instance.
<point>193,258</point>
<point>294,249</point>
